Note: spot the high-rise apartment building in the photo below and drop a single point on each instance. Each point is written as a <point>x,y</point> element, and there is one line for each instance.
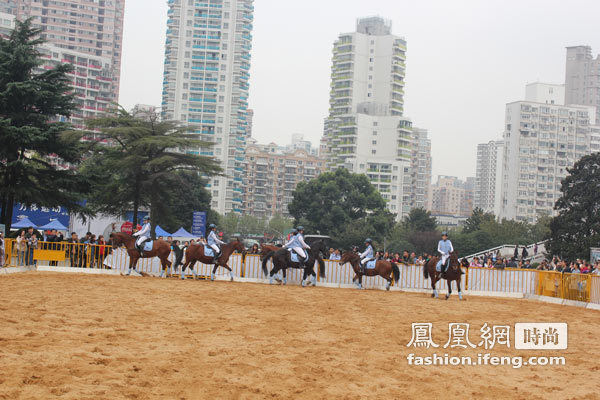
<point>207,63</point>
<point>86,34</point>
<point>541,141</point>
<point>452,196</point>
<point>582,78</point>
<point>420,169</point>
<point>7,22</point>
<point>488,179</point>
<point>273,173</point>
<point>365,130</point>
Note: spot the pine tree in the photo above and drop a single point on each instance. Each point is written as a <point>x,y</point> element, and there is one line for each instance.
<point>30,103</point>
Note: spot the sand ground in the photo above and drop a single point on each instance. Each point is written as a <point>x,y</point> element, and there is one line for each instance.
<point>108,337</point>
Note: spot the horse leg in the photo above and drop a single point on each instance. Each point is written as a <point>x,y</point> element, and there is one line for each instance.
<point>449,289</point>
<point>230,271</point>
<point>389,281</point>
<point>183,268</point>
<point>212,274</point>
<point>313,275</point>
<point>433,282</point>
<point>272,273</point>
<point>460,295</point>
<point>284,273</point>
<point>360,278</point>
<point>164,264</point>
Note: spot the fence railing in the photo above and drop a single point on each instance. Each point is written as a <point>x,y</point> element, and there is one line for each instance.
<point>578,287</point>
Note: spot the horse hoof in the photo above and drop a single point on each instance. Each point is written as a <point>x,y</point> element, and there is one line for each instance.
<point>432,295</point>
<point>447,296</point>
<point>231,280</point>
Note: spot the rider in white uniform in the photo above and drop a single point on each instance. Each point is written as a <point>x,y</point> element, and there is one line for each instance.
<point>366,255</point>
<point>213,241</point>
<point>444,248</point>
<point>143,234</point>
<point>298,245</point>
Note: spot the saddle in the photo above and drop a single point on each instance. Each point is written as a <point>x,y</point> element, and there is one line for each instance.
<point>295,257</point>
<point>146,245</point>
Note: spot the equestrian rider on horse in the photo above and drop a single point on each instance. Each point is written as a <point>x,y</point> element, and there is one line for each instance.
<point>367,255</point>
<point>213,241</point>
<point>143,235</point>
<point>298,245</point>
<point>445,248</point>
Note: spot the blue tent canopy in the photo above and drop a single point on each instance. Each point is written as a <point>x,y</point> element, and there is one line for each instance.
<point>54,225</point>
<point>24,223</point>
<point>161,232</point>
<point>182,233</point>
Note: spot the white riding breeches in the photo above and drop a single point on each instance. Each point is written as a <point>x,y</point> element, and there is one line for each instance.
<point>140,240</point>
<point>300,251</point>
<point>445,258</point>
<point>215,248</point>
<point>365,260</point>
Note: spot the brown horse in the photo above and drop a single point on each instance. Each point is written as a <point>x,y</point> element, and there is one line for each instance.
<point>453,273</point>
<point>383,268</point>
<point>195,252</point>
<point>160,249</point>
<point>265,249</point>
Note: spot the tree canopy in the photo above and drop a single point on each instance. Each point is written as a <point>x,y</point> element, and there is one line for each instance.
<point>143,166</point>
<point>343,205</point>
<point>31,101</point>
<point>576,228</point>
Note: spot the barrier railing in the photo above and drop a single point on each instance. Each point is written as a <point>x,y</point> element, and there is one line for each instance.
<point>579,287</point>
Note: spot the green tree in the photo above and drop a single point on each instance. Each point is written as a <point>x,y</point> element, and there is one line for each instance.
<point>278,226</point>
<point>30,102</point>
<point>473,223</point>
<point>419,220</point>
<point>188,194</point>
<point>139,167</point>
<point>344,206</point>
<point>576,228</point>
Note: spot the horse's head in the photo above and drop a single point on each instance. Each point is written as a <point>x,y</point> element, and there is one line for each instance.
<point>238,245</point>
<point>319,246</point>
<point>116,240</point>
<point>454,263</point>
<point>348,256</point>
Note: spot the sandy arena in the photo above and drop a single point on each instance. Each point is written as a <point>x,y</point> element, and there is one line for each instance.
<point>107,337</point>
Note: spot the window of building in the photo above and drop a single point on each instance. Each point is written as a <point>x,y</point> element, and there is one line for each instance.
<point>373,151</point>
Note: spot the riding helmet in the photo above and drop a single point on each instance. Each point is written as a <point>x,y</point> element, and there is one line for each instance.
<point>212,226</point>
<point>300,228</point>
<point>444,233</point>
<point>368,240</point>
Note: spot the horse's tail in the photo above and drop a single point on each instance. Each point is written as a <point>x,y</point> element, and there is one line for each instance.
<point>425,271</point>
<point>321,267</point>
<point>265,260</point>
<point>396,272</point>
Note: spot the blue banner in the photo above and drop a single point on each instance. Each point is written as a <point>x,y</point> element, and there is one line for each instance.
<point>40,215</point>
<point>141,215</point>
<point>199,223</point>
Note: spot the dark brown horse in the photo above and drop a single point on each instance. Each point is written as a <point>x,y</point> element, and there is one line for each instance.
<point>160,249</point>
<point>195,252</point>
<point>282,261</point>
<point>383,268</point>
<point>453,273</point>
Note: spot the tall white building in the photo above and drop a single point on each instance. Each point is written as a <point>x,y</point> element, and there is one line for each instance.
<point>582,78</point>
<point>365,130</point>
<point>207,62</point>
<point>541,140</point>
<point>488,178</point>
<point>420,169</point>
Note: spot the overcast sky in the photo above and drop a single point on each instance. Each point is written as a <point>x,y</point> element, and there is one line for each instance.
<point>465,60</point>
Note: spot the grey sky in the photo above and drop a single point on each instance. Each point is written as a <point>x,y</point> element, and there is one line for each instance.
<point>465,60</point>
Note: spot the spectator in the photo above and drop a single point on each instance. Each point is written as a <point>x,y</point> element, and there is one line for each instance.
<point>500,263</point>
<point>101,251</point>
<point>32,245</point>
<point>596,269</point>
<point>170,239</point>
<point>475,263</point>
<point>336,256</point>
<point>576,269</point>
<point>160,238</point>
<point>490,263</point>
<point>21,248</point>
<point>396,258</point>
<point>516,253</point>
<point>524,253</point>
<point>413,258</point>
<point>386,256</point>
<point>405,257</point>
<point>254,249</point>
<point>512,263</point>
<point>74,250</point>
<point>535,249</point>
